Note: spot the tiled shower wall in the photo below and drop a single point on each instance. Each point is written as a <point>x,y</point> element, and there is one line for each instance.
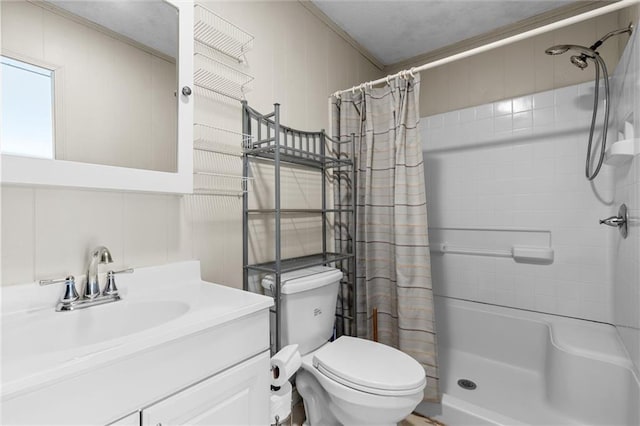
<point>519,164</point>
<point>625,254</point>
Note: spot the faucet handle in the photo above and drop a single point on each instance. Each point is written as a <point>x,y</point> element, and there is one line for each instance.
<point>110,289</point>
<point>70,294</point>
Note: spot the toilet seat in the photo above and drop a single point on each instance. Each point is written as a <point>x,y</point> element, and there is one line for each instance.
<point>370,367</point>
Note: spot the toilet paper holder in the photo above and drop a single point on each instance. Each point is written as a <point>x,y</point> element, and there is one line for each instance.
<point>284,365</point>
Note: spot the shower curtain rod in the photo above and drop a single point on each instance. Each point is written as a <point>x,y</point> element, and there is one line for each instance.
<point>536,31</point>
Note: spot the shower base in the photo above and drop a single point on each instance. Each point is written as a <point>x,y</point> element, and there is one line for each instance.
<point>529,369</point>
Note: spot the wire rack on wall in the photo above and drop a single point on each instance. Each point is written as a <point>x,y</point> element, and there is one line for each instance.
<point>209,183</point>
<point>215,76</point>
<point>218,140</point>
<point>217,33</point>
<point>218,77</point>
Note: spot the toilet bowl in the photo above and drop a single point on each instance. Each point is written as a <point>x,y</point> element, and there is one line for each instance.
<point>349,381</point>
<point>354,381</point>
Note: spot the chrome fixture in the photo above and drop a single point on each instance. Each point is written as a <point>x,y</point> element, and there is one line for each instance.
<point>621,221</point>
<point>581,61</point>
<point>110,288</point>
<point>91,294</point>
<point>70,294</point>
<point>92,287</point>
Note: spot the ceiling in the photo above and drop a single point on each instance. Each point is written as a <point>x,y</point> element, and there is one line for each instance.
<point>394,31</point>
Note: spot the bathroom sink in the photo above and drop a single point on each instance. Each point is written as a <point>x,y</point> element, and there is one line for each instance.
<point>169,331</point>
<point>49,332</point>
<point>161,306</point>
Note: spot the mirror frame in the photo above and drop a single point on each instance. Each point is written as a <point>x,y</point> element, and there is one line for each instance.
<point>47,172</point>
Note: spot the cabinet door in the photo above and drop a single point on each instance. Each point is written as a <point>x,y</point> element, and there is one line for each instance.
<point>237,396</point>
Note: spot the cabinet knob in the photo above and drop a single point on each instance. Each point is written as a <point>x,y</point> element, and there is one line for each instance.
<point>186,90</point>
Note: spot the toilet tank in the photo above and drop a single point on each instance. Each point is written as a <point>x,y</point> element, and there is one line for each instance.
<point>307,305</point>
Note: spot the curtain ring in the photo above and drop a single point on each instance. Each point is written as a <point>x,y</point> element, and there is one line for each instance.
<point>387,78</point>
<point>353,90</point>
<point>411,72</point>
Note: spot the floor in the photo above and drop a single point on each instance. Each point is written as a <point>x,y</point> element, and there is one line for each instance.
<point>298,418</point>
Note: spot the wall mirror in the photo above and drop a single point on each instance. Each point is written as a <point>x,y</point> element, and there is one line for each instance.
<point>92,94</point>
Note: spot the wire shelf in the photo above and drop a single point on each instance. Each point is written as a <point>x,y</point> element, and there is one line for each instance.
<point>312,149</point>
<point>220,78</point>
<point>219,34</point>
<point>206,183</point>
<point>218,140</point>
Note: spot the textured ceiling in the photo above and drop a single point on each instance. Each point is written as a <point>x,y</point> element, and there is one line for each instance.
<point>397,30</point>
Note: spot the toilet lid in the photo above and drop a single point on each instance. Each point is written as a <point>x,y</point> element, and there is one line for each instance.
<point>370,367</point>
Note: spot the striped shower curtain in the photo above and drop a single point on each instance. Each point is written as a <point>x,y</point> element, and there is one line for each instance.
<point>393,270</point>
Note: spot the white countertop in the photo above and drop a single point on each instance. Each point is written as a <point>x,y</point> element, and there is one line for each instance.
<point>28,312</point>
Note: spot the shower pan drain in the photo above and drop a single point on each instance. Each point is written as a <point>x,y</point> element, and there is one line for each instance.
<point>467,384</point>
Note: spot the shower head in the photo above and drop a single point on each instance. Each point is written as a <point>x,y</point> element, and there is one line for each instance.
<point>557,50</point>
<point>579,61</point>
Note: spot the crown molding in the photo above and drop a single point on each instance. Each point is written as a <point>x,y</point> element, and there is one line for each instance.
<point>536,21</point>
<point>315,11</point>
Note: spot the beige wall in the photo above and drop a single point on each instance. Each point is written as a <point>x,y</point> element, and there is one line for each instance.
<point>115,103</point>
<point>519,68</point>
<point>297,61</point>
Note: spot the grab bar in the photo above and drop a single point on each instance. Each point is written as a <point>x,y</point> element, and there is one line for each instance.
<point>522,254</point>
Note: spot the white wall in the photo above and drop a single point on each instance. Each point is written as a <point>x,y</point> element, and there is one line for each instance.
<point>625,253</point>
<point>297,61</point>
<point>519,163</point>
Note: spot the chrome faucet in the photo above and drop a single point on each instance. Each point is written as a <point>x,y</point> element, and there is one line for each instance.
<point>91,294</point>
<point>100,255</point>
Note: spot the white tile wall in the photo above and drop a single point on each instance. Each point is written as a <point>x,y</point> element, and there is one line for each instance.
<point>625,253</point>
<point>519,163</point>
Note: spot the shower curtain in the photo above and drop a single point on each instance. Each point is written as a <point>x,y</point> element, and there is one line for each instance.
<point>393,270</point>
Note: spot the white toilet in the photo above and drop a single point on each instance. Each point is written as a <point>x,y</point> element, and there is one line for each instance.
<point>349,381</point>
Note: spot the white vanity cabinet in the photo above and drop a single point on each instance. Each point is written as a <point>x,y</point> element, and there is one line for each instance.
<point>238,396</point>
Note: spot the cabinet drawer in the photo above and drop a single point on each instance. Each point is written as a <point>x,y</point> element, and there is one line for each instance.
<point>237,396</point>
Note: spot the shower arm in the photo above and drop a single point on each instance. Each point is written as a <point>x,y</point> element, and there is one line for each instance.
<point>610,34</point>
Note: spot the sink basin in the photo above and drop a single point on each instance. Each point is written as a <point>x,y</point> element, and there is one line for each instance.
<point>50,332</point>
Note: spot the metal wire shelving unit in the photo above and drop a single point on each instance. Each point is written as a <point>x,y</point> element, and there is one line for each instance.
<point>268,139</point>
<point>220,48</point>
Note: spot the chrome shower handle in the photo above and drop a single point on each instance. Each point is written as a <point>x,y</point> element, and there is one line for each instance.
<point>614,221</point>
<point>619,221</point>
